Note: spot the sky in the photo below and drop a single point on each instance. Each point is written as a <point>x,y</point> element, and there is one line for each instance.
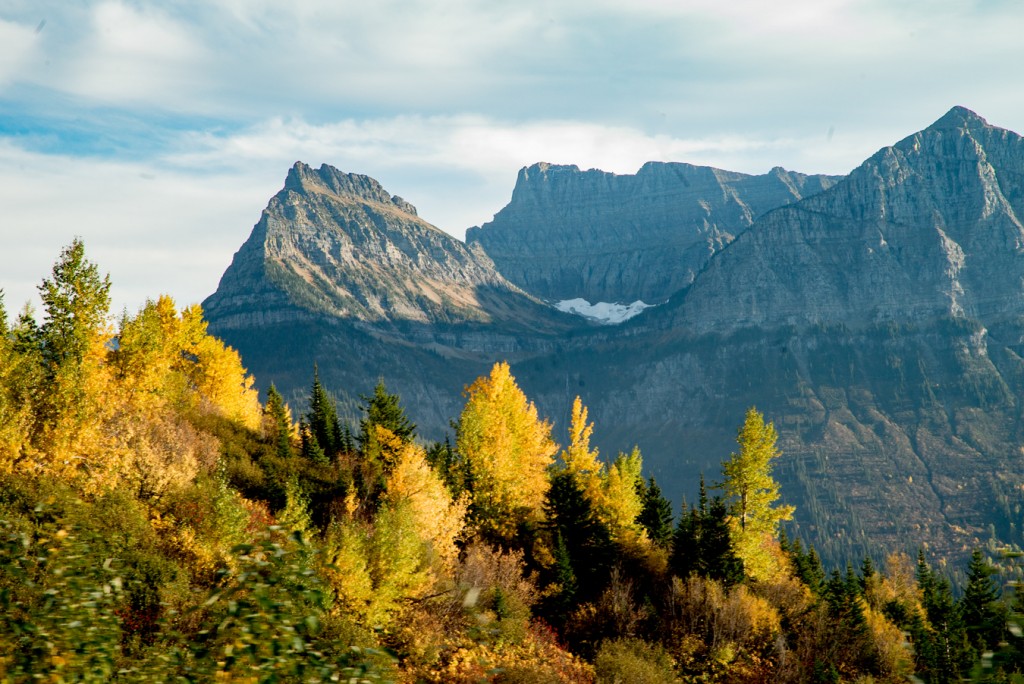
<point>157,131</point>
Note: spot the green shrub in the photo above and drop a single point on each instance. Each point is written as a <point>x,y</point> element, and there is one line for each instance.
<point>633,661</point>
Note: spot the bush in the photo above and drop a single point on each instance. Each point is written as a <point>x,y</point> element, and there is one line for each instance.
<point>633,661</point>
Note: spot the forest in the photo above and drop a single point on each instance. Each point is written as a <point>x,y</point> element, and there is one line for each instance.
<point>159,523</point>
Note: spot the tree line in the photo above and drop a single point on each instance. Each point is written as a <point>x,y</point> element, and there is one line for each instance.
<point>157,520</point>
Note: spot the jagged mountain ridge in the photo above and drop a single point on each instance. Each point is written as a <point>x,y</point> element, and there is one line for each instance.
<point>925,228</point>
<point>337,245</point>
<point>607,237</point>
<point>898,411</point>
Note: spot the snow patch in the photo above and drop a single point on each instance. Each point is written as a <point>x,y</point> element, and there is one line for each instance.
<point>604,312</point>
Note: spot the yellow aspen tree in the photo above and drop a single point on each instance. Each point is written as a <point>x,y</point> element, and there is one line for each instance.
<point>507,450</point>
<point>621,498</point>
<point>439,518</point>
<point>751,492</point>
<point>582,461</point>
<point>15,403</point>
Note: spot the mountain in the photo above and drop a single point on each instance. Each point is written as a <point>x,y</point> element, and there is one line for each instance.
<point>876,319</point>
<point>337,245</point>
<point>928,227</point>
<point>339,272</point>
<point>604,237</point>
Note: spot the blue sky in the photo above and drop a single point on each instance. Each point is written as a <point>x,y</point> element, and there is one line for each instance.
<point>158,131</point>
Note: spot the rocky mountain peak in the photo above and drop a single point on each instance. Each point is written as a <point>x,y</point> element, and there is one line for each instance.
<point>958,118</point>
<point>306,180</point>
<point>928,227</point>
<point>338,245</point>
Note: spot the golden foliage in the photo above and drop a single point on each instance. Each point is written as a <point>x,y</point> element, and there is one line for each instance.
<point>751,492</point>
<point>438,518</point>
<point>725,622</point>
<point>375,569</point>
<point>508,450</point>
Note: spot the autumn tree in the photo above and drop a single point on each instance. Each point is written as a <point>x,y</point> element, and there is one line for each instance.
<point>507,450</point>
<point>750,492</point>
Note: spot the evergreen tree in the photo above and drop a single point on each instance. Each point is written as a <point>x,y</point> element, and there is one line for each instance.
<point>807,566</point>
<point>656,515</point>
<point>717,548</point>
<point>751,493</point>
<point>867,572</point>
<point>76,304</point>
<point>588,542</point>
<point>703,544</point>
<point>322,421</point>
<point>384,409</point>
<point>984,616</point>
<point>940,645</point>
<point>279,422</point>
<point>310,446</point>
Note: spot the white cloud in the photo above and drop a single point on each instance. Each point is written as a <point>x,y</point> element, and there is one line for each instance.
<point>136,56</point>
<point>154,231</point>
<point>17,43</point>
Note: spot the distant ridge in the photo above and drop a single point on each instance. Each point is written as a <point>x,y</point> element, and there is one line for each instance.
<point>618,238</point>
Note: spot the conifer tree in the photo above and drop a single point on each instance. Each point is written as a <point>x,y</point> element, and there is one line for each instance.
<point>76,304</point>
<point>588,542</point>
<point>385,409</point>
<point>322,422</point>
<point>941,647</point>
<point>702,543</point>
<point>751,492</point>
<point>656,515</point>
<point>983,615</point>
<point>279,422</point>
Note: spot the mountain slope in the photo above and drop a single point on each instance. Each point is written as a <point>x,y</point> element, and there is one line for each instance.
<point>337,245</point>
<point>568,233</point>
<point>928,227</point>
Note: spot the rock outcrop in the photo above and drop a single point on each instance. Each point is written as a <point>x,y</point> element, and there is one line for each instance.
<point>620,238</point>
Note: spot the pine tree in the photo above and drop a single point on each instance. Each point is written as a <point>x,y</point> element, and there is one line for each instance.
<point>322,421</point>
<point>570,515</point>
<point>656,515</point>
<point>984,616</point>
<point>750,492</point>
<point>941,647</point>
<point>385,409</point>
<point>76,304</point>
<point>310,446</point>
<point>279,423</point>
<point>703,545</point>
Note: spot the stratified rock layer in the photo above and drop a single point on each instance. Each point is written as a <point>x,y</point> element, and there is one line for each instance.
<point>619,238</point>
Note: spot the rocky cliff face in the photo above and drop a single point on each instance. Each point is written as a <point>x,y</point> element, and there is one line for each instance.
<point>337,245</point>
<point>619,238</point>
<point>928,227</point>
<point>878,321</point>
